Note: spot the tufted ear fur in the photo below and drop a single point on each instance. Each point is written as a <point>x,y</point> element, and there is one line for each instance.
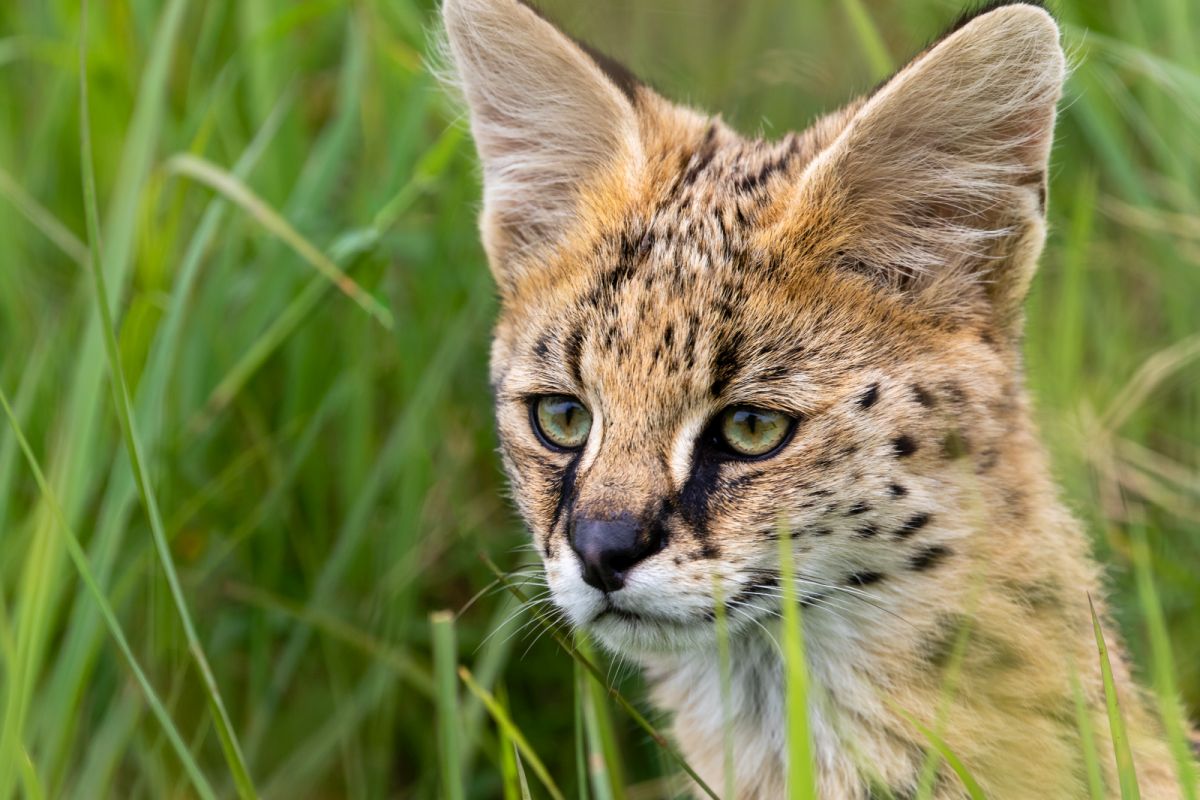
<point>937,185</point>
<point>550,119</point>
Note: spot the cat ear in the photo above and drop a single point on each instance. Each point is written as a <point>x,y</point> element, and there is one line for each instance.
<point>937,184</point>
<point>551,120</point>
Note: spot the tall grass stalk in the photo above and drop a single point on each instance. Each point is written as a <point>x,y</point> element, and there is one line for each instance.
<point>445,662</point>
<point>124,406</point>
<point>1126,772</point>
<point>725,668</point>
<point>801,773</point>
<point>199,782</point>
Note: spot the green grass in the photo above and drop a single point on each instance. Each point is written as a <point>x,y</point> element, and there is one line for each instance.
<point>248,374</point>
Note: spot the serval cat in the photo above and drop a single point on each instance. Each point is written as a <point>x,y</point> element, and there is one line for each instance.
<point>708,341</point>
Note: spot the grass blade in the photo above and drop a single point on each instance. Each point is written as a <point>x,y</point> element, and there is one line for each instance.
<point>523,782</point>
<point>869,39</point>
<point>1163,666</point>
<point>725,667</point>
<point>1087,738</point>
<point>506,724</point>
<point>445,657</point>
<point>239,194</point>
<point>42,219</point>
<point>603,755</point>
<point>974,790</point>
<point>75,551</point>
<point>124,405</point>
<point>801,773</point>
<point>1116,724</point>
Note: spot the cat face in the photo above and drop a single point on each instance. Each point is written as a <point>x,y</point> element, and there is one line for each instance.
<point>710,344</point>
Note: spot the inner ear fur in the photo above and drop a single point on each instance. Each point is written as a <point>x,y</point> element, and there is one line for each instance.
<point>552,122</point>
<point>936,187</point>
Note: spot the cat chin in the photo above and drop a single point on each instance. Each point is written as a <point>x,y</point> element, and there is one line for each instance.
<point>638,639</point>
<point>646,638</point>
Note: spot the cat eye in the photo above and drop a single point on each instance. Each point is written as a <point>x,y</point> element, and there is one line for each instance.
<point>560,421</point>
<point>752,432</point>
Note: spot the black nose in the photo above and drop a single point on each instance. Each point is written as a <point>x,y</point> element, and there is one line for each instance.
<point>609,548</point>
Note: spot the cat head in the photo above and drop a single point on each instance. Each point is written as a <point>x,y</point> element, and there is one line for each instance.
<point>708,342</point>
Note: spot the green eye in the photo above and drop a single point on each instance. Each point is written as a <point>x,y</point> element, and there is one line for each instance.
<point>752,432</point>
<point>561,422</point>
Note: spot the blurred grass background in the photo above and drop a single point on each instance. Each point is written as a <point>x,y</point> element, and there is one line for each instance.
<point>324,464</point>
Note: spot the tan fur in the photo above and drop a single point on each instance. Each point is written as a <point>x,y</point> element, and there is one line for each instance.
<point>864,276</point>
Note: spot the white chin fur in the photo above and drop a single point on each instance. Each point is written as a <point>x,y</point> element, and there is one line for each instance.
<point>668,622</point>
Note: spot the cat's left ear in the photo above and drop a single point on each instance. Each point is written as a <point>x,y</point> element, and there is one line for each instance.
<point>552,122</point>
<point>936,186</point>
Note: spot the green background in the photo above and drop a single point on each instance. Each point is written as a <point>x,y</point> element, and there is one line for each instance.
<point>324,465</point>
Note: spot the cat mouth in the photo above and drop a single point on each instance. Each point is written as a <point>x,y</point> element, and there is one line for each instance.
<point>613,612</point>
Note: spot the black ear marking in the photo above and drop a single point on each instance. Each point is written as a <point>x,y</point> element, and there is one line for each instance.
<point>617,73</point>
<point>971,14</point>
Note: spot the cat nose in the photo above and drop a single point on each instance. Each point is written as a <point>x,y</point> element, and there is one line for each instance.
<point>609,548</point>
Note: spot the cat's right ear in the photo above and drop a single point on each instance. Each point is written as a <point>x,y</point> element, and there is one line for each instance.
<point>554,125</point>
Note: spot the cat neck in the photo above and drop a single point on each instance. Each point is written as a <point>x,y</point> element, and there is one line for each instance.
<point>972,646</point>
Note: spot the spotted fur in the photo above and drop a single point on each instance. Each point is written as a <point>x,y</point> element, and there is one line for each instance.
<point>864,276</point>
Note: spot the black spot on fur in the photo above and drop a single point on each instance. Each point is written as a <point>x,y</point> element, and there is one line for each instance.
<point>858,508</point>
<point>573,354</point>
<point>810,600</point>
<point>869,397</point>
<point>937,645</point>
<point>822,532</point>
<point>877,792</point>
<point>709,550</point>
<point>923,397</point>
<point>542,348</point>
<point>865,578</point>
<point>904,446</point>
<point>988,460</point>
<point>741,481</point>
<point>897,490</point>
<point>1039,595</point>
<point>956,394</point>
<point>867,531</point>
<point>760,584</point>
<point>725,365</point>
<point>928,557</point>
<point>914,524</point>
